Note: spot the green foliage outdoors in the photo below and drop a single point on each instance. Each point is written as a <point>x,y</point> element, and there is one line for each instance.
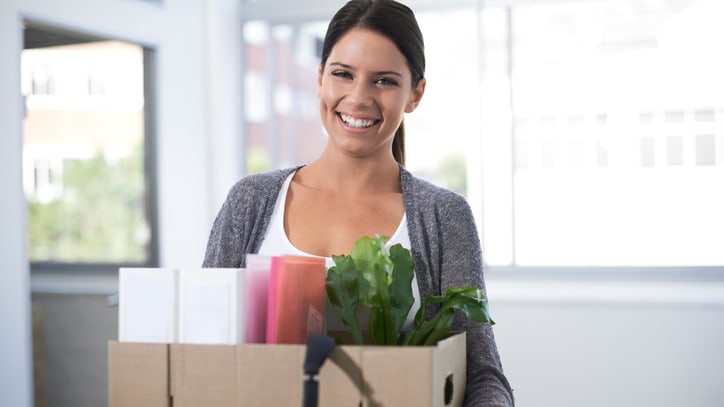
<point>371,279</point>
<point>99,218</point>
<point>453,171</point>
<point>257,161</point>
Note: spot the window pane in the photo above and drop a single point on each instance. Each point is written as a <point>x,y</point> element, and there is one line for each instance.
<point>438,147</point>
<point>281,108</point>
<point>83,153</point>
<point>644,186</point>
<point>499,156</point>
<point>705,149</point>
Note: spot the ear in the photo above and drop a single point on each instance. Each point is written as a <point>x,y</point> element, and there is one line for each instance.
<point>416,96</point>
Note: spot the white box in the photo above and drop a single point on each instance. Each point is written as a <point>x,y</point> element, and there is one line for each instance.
<point>210,306</point>
<point>147,305</point>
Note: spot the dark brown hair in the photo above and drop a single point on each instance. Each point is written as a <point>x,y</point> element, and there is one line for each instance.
<point>393,20</point>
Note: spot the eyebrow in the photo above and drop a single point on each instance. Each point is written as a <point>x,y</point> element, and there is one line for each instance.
<point>342,65</point>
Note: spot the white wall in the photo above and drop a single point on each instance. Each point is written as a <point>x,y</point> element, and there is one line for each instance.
<point>611,341</point>
<point>198,95</point>
<point>15,372</point>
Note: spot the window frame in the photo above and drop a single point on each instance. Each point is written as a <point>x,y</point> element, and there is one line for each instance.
<point>59,35</point>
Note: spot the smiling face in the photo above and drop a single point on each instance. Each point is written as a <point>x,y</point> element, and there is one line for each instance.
<point>364,90</point>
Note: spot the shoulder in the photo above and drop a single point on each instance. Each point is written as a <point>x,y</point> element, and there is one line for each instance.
<point>264,180</point>
<point>263,184</point>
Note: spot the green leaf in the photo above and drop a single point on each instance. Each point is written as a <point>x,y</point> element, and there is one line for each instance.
<point>369,260</point>
<point>475,308</point>
<point>381,327</point>
<point>423,329</point>
<point>469,300</point>
<point>401,298</point>
<point>343,291</point>
<point>442,327</point>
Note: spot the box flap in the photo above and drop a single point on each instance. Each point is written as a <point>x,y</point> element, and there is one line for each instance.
<point>138,374</point>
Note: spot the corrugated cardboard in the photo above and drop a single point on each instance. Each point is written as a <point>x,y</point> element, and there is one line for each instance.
<point>258,375</point>
<point>138,374</point>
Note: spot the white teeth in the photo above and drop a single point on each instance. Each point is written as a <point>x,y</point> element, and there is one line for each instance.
<point>356,123</point>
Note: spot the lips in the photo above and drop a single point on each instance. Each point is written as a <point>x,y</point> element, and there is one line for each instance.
<point>357,123</point>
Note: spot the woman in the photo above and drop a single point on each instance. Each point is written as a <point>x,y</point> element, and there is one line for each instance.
<point>371,74</point>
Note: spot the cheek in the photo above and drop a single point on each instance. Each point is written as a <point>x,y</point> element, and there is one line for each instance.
<point>326,97</point>
<point>397,104</point>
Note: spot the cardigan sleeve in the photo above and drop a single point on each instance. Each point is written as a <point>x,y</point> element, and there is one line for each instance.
<point>447,253</point>
<point>242,221</point>
<point>225,246</point>
<point>462,265</point>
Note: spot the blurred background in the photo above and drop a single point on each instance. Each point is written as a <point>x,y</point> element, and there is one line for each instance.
<point>588,137</point>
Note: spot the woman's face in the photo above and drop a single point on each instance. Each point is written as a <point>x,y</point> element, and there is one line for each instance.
<point>364,90</point>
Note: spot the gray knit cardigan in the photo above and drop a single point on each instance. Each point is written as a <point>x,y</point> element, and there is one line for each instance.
<point>445,247</point>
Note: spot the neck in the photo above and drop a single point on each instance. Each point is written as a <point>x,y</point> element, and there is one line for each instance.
<point>351,175</point>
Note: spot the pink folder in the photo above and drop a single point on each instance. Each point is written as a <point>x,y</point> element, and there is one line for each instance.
<point>296,299</point>
<point>256,297</point>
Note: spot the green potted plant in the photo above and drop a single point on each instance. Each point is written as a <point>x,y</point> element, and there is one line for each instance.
<point>371,279</point>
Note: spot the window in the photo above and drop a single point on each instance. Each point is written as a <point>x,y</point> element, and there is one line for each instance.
<point>86,177</point>
<point>280,97</point>
<point>584,134</point>
<point>650,69</point>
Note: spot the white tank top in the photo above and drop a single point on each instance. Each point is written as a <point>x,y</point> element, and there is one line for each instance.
<point>276,243</point>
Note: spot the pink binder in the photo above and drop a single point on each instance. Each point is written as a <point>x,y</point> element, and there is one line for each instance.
<point>296,299</point>
<point>256,297</point>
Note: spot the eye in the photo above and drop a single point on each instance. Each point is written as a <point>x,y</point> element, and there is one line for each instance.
<point>341,74</point>
<point>384,81</point>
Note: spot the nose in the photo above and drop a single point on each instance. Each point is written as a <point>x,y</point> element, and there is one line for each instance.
<point>360,94</point>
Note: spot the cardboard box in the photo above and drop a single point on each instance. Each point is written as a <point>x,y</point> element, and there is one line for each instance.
<point>138,374</point>
<point>256,375</point>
